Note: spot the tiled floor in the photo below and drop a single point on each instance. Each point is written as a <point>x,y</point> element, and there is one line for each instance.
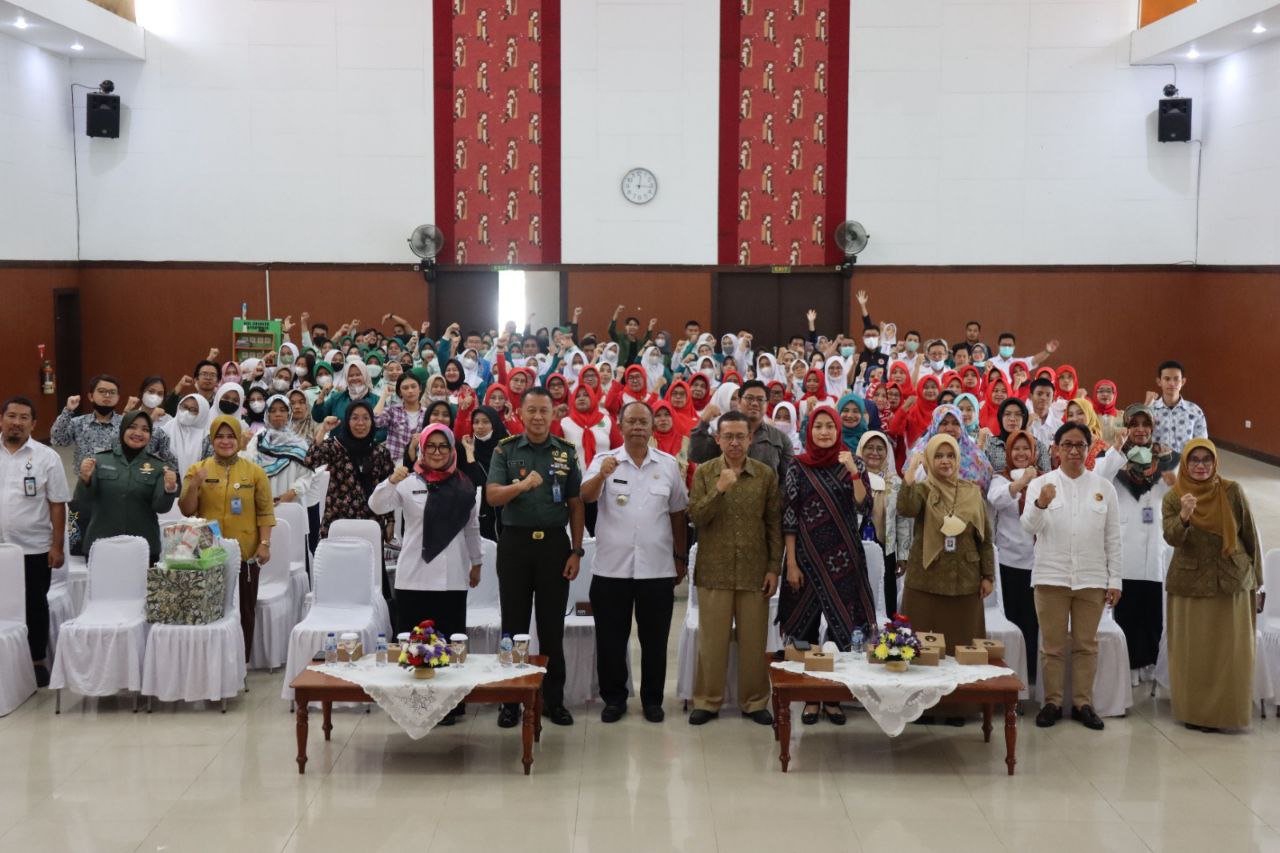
<point>99,777</point>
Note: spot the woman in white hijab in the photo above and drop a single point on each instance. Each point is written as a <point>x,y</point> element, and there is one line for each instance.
<point>574,360</point>
<point>785,421</point>
<point>768,370</point>
<point>188,429</point>
<point>471,368</point>
<point>725,399</point>
<point>654,369</point>
<point>836,370</point>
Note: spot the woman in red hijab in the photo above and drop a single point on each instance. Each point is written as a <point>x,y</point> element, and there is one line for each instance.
<point>901,374</point>
<point>815,393</point>
<point>912,421</point>
<point>672,436</point>
<point>498,398</point>
<point>989,414</point>
<point>558,388</point>
<point>1066,384</point>
<point>699,392</point>
<point>680,400</point>
<point>951,382</point>
<point>971,380</point>
<point>1105,394</point>
<point>634,388</point>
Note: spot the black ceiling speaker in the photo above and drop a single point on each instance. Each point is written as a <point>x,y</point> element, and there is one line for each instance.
<point>102,112</point>
<point>1174,120</point>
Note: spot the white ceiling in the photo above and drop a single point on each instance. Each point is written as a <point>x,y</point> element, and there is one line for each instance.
<point>1213,28</point>
<point>99,36</point>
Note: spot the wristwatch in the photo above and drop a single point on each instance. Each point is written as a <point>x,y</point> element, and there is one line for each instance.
<point>578,552</point>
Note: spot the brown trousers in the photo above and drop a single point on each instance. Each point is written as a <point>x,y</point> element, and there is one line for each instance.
<point>722,615</point>
<point>1056,608</point>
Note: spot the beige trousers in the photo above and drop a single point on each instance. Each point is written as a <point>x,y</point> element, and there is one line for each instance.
<point>1081,609</point>
<point>719,612</point>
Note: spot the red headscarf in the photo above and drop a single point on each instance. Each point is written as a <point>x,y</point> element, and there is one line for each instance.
<point>948,377</point>
<point>688,412</point>
<point>1008,464</point>
<point>699,405</point>
<point>1110,408</point>
<point>920,415</point>
<point>512,422</point>
<point>902,395</point>
<point>517,398</point>
<point>594,372</point>
<point>786,393</point>
<point>435,475</point>
<point>976,390</point>
<point>497,386</point>
<point>989,414</point>
<point>564,398</point>
<point>905,383</point>
<point>673,439</point>
<point>1075,383</point>
<point>586,419</point>
<point>821,393</point>
<point>821,457</point>
<point>731,376</point>
<point>1047,372</point>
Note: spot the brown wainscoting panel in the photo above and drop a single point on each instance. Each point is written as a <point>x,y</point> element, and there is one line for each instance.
<point>1114,324</point>
<point>672,297</point>
<point>27,292</point>
<point>340,296</point>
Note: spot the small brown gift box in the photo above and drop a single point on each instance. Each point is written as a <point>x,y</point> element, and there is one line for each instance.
<point>995,648</point>
<point>342,653</point>
<point>971,655</point>
<point>930,640</point>
<point>816,661</point>
<point>393,653</point>
<point>927,657</point>
<point>791,653</point>
<point>871,656</point>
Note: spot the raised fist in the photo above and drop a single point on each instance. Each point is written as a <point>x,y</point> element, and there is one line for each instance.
<point>86,468</point>
<point>399,474</point>
<point>532,481</point>
<point>608,465</point>
<point>1188,506</point>
<point>726,480</point>
<point>73,403</point>
<point>1047,493</point>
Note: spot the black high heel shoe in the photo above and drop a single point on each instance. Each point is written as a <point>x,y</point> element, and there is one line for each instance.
<point>809,717</point>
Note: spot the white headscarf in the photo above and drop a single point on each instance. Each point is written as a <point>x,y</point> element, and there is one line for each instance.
<point>224,389</point>
<point>768,370</point>
<point>722,399</point>
<point>569,370</point>
<point>836,387</point>
<point>360,367</point>
<point>791,428</point>
<point>651,363</point>
<point>609,353</point>
<point>187,439</point>
<point>473,376</point>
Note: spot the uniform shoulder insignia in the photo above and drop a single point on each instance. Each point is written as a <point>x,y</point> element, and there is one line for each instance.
<point>508,439</point>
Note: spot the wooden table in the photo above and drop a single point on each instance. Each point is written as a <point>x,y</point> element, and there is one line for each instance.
<point>311,686</point>
<point>791,687</point>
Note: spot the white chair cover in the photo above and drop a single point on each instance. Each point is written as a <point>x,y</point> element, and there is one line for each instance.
<point>1112,689</point>
<point>275,611</point>
<point>74,573</point>
<point>299,583</point>
<point>687,649</point>
<point>484,610</point>
<point>875,575</point>
<point>999,627</point>
<point>101,650</point>
<point>61,608</point>
<point>319,491</point>
<point>343,602</point>
<point>190,663</point>
<point>17,677</point>
<point>368,530</point>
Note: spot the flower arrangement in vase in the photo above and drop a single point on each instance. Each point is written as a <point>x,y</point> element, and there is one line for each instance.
<point>897,644</point>
<point>426,650</point>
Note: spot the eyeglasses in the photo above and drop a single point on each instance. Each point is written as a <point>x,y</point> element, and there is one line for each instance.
<point>1076,446</point>
<point>1200,463</point>
<point>753,398</point>
<point>436,448</point>
<point>733,439</point>
<point>106,392</point>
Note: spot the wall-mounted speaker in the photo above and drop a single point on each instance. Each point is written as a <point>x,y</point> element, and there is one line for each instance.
<point>1174,120</point>
<point>102,115</point>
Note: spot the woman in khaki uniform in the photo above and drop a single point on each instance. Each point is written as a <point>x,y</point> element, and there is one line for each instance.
<point>1212,583</point>
<point>951,567</point>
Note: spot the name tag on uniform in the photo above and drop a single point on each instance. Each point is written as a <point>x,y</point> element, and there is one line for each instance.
<point>949,544</point>
<point>237,506</point>
<point>1148,515</point>
<point>29,486</point>
<point>555,490</point>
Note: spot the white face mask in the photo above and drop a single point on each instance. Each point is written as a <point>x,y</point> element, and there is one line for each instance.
<point>938,365</point>
<point>325,381</point>
<point>355,389</point>
<point>482,432</point>
<point>151,400</point>
<point>280,385</point>
<point>187,419</point>
<point>784,427</point>
<point>300,370</point>
<point>375,370</point>
<point>469,363</point>
<point>871,343</point>
<point>258,406</point>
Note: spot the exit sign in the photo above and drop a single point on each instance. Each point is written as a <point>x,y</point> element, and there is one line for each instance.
<point>780,270</point>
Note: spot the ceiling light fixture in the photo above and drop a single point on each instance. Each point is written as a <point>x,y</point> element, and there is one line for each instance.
<point>21,23</point>
<point>77,46</point>
<point>1258,29</point>
<point>1193,54</point>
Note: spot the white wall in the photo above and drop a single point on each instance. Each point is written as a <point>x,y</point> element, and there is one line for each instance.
<point>1012,132</point>
<point>640,87</point>
<point>266,130</point>
<point>37,201</point>
<point>1240,205</point>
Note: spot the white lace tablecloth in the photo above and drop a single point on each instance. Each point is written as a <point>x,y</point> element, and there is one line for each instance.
<point>894,699</point>
<point>418,705</point>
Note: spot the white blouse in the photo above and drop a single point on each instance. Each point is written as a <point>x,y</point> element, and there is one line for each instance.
<point>451,568</point>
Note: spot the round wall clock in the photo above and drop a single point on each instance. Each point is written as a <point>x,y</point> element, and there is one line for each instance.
<point>639,185</point>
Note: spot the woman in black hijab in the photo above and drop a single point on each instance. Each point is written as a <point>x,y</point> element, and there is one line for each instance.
<point>487,430</point>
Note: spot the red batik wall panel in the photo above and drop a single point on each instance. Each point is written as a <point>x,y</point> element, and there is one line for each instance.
<point>497,109</point>
<point>784,67</point>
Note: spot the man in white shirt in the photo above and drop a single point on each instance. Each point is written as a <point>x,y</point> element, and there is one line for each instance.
<point>1004,359</point>
<point>1044,421</point>
<point>640,558</point>
<point>1075,516</point>
<point>33,516</point>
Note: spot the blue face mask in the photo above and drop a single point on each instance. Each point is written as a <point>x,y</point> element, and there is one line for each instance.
<point>979,364</point>
<point>912,346</point>
<point>1139,455</point>
<point>1006,352</point>
<point>847,352</point>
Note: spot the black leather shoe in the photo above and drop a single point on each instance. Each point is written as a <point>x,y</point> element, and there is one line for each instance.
<point>834,714</point>
<point>42,675</point>
<point>654,713</point>
<point>698,716</point>
<point>809,718</point>
<point>508,716</point>
<point>957,722</point>
<point>612,713</point>
<point>1085,714</point>
<point>559,715</point>
<point>1048,715</point>
<point>449,720</point>
<point>763,717</point>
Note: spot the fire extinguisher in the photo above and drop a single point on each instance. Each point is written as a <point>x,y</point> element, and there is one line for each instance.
<point>48,385</point>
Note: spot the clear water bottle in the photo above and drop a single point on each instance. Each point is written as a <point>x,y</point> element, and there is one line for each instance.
<point>331,647</point>
<point>505,649</point>
<point>858,640</point>
<point>381,658</point>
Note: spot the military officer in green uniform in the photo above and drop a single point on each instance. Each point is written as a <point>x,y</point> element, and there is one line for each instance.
<point>534,477</point>
<point>126,487</point>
